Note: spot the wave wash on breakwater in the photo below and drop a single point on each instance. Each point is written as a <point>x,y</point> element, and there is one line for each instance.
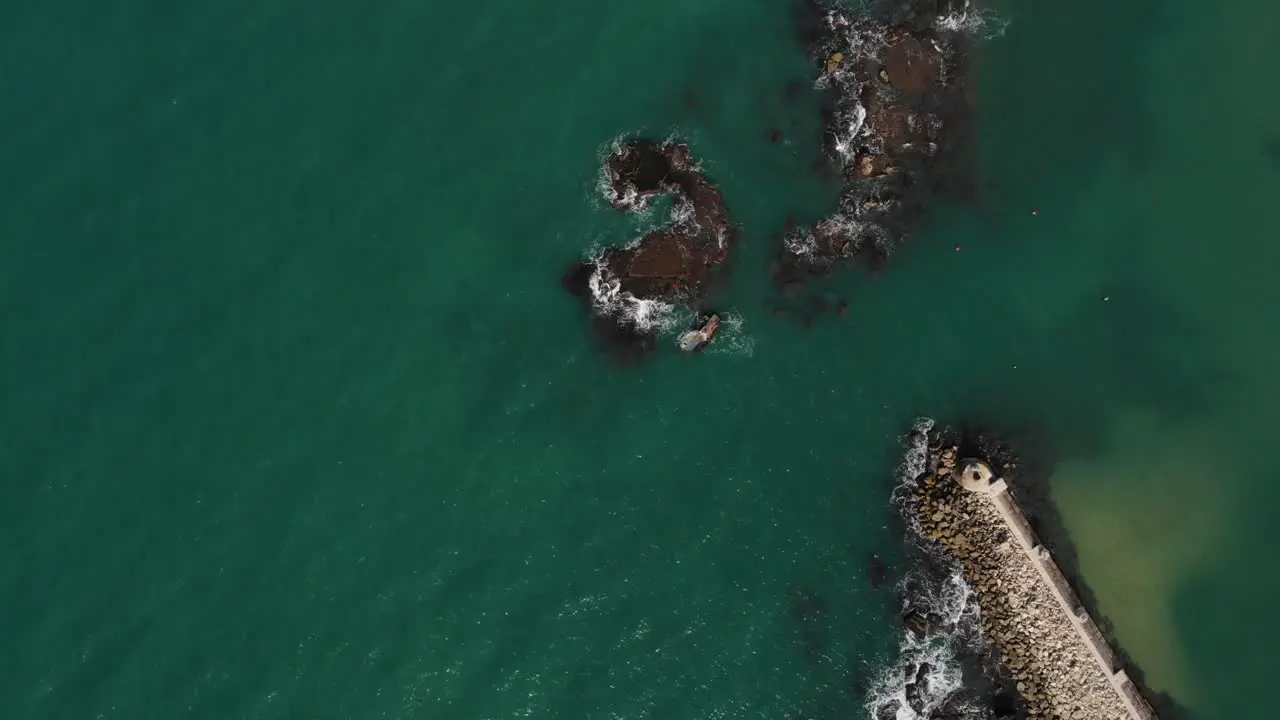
<point>1045,641</point>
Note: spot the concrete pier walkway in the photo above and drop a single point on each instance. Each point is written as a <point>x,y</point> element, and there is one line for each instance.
<point>976,477</point>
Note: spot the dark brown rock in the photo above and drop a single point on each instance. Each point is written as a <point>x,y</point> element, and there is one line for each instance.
<point>916,623</point>
<point>908,119</point>
<point>675,263</point>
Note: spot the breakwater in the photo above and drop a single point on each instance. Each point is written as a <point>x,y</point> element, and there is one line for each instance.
<point>1052,650</point>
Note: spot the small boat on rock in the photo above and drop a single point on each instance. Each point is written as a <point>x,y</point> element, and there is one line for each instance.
<point>697,339</point>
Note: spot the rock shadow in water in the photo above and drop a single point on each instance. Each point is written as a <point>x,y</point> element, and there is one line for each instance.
<point>1271,151</point>
<point>808,611</point>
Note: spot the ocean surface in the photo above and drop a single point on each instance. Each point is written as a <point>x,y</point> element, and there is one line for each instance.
<point>296,420</point>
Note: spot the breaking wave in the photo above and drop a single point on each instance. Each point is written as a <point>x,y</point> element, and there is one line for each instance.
<point>927,677</point>
<point>631,201</point>
<point>801,242</point>
<point>846,142</point>
<point>731,339</point>
<point>915,461</point>
<point>604,188</point>
<point>608,298</point>
<point>982,23</point>
<point>858,40</point>
<point>861,40</point>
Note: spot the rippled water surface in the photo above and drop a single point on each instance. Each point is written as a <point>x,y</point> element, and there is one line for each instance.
<point>298,422</point>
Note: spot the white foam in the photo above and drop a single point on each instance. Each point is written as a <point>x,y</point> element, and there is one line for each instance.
<point>679,136</point>
<point>859,40</point>
<point>682,211</point>
<point>630,200</point>
<point>981,23</point>
<point>801,242</point>
<point>641,206</point>
<point>846,225</point>
<point>915,460</point>
<point>952,604</point>
<point>604,183</point>
<point>863,37</point>
<point>856,126</point>
<point>722,237</point>
<point>608,298</point>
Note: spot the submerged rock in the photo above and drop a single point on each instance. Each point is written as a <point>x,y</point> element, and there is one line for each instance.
<point>888,711</point>
<point>916,623</point>
<point>876,571</point>
<point>915,699</point>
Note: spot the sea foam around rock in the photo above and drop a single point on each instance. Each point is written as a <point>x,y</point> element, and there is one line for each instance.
<point>927,678</point>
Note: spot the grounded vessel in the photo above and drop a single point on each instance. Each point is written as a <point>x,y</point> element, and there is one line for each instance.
<point>695,340</point>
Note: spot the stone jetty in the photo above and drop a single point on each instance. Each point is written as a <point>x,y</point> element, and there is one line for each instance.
<point>1033,620</point>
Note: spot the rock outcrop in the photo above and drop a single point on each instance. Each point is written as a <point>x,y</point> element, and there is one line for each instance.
<point>673,265</point>
<point>898,121</point>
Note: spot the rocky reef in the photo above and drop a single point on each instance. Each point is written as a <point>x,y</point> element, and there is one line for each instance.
<point>633,287</point>
<point>897,118</point>
<point>897,128</point>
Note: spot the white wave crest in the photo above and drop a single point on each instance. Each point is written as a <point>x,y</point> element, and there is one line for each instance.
<point>981,23</point>
<point>845,225</point>
<point>608,298</point>
<point>927,673</point>
<point>855,122</point>
<point>685,161</point>
<point>722,238</point>
<point>862,37</point>
<point>915,461</point>
<point>859,40</point>
<point>682,212</point>
<point>801,242</point>
<point>604,183</point>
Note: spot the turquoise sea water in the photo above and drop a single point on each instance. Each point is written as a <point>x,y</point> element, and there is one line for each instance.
<point>298,422</point>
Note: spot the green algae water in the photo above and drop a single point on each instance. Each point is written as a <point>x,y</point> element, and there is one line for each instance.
<point>299,423</point>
